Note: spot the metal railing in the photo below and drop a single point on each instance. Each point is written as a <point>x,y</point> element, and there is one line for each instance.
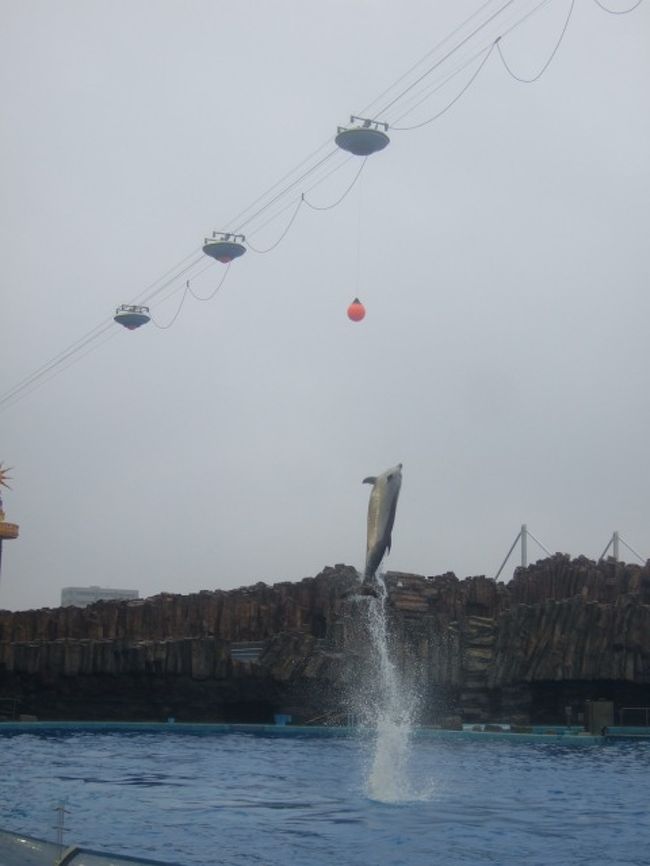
<point>11,705</point>
<point>246,651</point>
<point>643,713</point>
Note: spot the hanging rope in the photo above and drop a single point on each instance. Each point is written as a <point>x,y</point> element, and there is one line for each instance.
<point>618,12</point>
<point>339,200</point>
<point>363,111</point>
<point>282,236</point>
<point>453,101</point>
<point>445,57</point>
<point>145,299</point>
<point>178,311</point>
<point>548,62</point>
<point>214,291</point>
<point>287,189</point>
<point>358,269</point>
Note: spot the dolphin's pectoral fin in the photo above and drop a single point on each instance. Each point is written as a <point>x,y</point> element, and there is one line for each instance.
<point>390,539</point>
<point>371,479</point>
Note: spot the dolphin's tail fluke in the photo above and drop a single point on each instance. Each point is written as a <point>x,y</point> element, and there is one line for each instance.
<point>369,576</point>
<point>373,561</point>
<point>367,587</point>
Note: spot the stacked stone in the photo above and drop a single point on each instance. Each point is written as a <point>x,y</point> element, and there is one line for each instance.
<point>247,614</point>
<point>480,645</point>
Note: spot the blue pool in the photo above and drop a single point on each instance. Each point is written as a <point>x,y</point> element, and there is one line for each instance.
<point>239,799</point>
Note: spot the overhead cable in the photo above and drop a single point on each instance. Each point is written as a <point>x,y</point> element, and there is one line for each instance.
<point>56,361</point>
<point>283,192</point>
<point>319,177</point>
<point>453,101</point>
<point>215,290</point>
<point>429,53</point>
<point>446,56</point>
<point>173,270</point>
<point>550,59</point>
<point>274,186</point>
<point>187,290</point>
<point>145,298</point>
<point>340,199</point>
<point>421,97</point>
<point>618,11</point>
<point>249,215</point>
<point>435,84</point>
<point>295,201</point>
<point>177,313</point>
<point>363,111</point>
<point>282,236</point>
<point>49,372</point>
<point>297,181</point>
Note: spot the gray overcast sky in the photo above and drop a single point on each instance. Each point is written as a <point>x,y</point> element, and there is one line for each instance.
<point>501,253</point>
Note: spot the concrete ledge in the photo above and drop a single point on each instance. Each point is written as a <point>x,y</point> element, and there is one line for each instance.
<point>290,731</point>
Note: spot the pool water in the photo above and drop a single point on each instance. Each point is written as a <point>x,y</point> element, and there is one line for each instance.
<point>241,799</point>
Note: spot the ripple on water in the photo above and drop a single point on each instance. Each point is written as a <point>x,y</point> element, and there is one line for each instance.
<point>243,800</point>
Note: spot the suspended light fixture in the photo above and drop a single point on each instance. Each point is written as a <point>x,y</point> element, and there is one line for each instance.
<point>132,317</point>
<point>364,138</point>
<point>224,247</point>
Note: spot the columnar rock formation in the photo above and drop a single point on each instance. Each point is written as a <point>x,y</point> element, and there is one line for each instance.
<point>562,631</point>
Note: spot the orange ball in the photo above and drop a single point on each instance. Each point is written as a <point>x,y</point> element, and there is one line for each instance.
<point>356,310</point>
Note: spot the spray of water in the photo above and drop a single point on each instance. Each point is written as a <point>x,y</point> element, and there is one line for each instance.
<point>390,704</point>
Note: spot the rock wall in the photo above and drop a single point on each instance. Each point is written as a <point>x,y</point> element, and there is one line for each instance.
<point>247,614</point>
<point>560,632</point>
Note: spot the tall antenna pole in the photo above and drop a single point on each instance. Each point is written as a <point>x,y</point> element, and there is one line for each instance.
<point>615,543</point>
<point>523,535</point>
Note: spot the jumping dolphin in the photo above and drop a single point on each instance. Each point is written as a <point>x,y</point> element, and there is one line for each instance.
<point>381,516</point>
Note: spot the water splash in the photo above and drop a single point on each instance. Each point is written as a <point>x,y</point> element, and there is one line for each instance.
<point>390,704</point>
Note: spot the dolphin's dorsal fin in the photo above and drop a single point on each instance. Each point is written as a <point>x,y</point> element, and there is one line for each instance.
<point>371,479</point>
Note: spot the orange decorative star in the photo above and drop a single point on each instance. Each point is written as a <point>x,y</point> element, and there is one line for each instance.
<point>4,476</point>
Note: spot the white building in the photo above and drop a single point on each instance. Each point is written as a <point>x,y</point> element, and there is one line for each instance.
<point>81,596</point>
